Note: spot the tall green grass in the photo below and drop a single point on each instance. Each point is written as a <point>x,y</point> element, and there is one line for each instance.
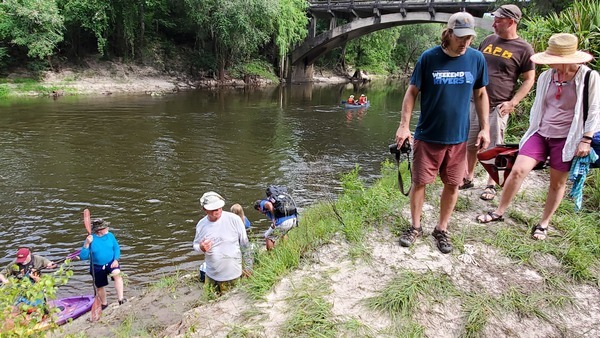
<point>311,315</point>
<point>356,211</point>
<point>400,298</point>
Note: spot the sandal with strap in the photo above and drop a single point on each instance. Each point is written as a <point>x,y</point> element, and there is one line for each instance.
<point>539,233</point>
<point>489,193</point>
<point>467,184</point>
<point>490,217</point>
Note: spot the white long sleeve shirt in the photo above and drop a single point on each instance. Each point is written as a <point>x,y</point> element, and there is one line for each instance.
<point>229,241</point>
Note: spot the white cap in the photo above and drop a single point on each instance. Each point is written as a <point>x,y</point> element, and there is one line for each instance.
<point>212,201</point>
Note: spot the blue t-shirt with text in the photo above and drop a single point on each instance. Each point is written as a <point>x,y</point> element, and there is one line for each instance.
<point>446,85</point>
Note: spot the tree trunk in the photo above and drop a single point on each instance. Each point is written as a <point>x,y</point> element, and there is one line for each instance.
<point>140,45</point>
<point>222,71</point>
<point>343,58</point>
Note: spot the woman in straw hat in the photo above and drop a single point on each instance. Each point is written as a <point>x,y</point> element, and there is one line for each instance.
<point>556,126</point>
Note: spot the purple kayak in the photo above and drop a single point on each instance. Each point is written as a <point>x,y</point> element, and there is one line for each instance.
<point>71,307</point>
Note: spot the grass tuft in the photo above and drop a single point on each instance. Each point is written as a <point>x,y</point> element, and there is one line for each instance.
<point>400,297</point>
<point>311,315</point>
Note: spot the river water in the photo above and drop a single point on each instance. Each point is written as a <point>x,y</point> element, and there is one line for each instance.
<point>142,162</point>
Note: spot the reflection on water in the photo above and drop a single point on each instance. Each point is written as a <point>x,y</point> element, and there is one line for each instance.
<point>142,162</point>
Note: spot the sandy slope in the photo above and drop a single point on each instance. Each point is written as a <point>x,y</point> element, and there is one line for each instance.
<point>108,78</point>
<point>346,283</point>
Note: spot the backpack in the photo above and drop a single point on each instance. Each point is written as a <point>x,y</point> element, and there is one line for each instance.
<point>283,204</point>
<point>595,144</point>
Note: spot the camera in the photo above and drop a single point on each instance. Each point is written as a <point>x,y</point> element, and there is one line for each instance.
<point>405,149</point>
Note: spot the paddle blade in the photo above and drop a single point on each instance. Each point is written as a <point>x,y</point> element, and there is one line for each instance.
<point>87,221</point>
<point>96,312</point>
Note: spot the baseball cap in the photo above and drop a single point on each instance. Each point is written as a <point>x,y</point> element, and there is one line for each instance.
<point>212,201</point>
<point>22,254</point>
<point>508,11</point>
<point>462,24</point>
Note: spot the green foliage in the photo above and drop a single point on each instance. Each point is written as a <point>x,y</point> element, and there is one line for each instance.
<point>581,257</point>
<point>402,295</point>
<point>353,214</point>
<point>3,52</point>
<point>36,25</point>
<point>373,52</point>
<point>236,29</point>
<point>580,18</point>
<point>4,90</point>
<point>312,315</point>
<point>17,322</point>
<point>545,7</point>
<point>259,68</point>
<point>576,248</point>
<point>291,23</point>
<point>518,123</point>
<point>591,191</point>
<point>168,283</point>
<point>478,310</point>
<point>90,15</point>
<point>412,41</point>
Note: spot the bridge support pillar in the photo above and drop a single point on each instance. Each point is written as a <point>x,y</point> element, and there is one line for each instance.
<point>301,73</point>
<point>312,27</point>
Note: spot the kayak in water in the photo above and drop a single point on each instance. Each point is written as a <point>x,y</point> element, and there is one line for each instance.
<point>354,106</point>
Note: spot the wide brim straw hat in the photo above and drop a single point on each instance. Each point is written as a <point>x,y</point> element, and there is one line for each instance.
<point>562,49</point>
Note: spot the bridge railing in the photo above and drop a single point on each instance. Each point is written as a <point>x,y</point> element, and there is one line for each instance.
<point>362,8</point>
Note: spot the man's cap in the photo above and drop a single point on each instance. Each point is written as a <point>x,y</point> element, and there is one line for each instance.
<point>99,224</point>
<point>22,254</point>
<point>508,11</point>
<point>462,24</point>
<point>212,201</point>
<point>362,94</point>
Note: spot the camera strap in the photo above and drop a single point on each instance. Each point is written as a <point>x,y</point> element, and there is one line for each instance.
<point>400,181</point>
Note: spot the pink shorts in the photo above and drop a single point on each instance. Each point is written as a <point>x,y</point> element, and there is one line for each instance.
<point>431,158</point>
<point>539,148</point>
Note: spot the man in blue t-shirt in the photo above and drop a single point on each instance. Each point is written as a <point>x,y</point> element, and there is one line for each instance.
<point>446,76</point>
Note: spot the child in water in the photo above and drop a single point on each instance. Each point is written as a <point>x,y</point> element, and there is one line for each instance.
<point>238,210</point>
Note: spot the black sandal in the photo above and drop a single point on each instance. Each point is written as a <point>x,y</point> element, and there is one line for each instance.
<point>467,184</point>
<point>540,232</point>
<point>494,217</point>
<point>489,193</point>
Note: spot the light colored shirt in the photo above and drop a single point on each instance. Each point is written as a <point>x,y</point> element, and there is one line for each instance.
<point>577,127</point>
<point>558,113</point>
<point>229,242</point>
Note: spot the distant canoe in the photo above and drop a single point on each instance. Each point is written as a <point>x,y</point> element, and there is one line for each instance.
<point>356,106</point>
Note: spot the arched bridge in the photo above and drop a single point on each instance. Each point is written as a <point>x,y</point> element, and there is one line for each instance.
<point>367,16</point>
